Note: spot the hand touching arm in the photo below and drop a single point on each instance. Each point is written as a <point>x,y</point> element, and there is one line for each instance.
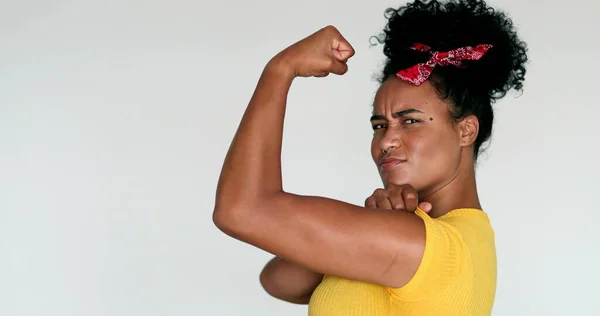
<point>321,234</point>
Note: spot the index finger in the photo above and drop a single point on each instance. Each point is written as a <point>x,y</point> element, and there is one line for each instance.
<point>411,199</point>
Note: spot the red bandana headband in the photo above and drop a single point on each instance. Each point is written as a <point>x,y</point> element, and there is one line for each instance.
<point>418,73</point>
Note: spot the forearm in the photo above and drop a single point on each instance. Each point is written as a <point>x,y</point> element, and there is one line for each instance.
<point>252,167</point>
<point>315,232</point>
<point>289,281</point>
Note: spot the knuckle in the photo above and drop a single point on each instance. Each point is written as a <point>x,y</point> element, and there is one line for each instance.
<point>329,28</point>
<point>395,191</point>
<point>397,188</point>
<point>379,192</point>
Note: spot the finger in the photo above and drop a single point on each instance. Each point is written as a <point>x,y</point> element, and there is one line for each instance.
<point>342,50</point>
<point>383,202</point>
<point>340,44</point>
<point>339,68</point>
<point>337,54</point>
<point>395,197</point>
<point>425,206</point>
<point>370,202</point>
<point>411,198</point>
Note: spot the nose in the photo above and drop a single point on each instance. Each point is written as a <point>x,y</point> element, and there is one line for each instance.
<point>389,141</point>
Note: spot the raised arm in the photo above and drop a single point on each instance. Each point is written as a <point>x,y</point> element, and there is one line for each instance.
<point>324,235</point>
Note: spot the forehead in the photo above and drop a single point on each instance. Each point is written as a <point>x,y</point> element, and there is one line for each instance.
<point>396,95</point>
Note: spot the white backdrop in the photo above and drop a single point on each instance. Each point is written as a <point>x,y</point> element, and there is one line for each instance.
<point>115,117</point>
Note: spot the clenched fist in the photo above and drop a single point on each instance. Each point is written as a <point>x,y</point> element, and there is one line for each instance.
<point>397,197</point>
<point>325,51</point>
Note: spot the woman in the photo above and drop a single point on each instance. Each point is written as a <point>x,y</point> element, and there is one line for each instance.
<point>435,255</point>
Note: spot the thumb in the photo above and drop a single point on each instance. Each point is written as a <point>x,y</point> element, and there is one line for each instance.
<point>425,206</point>
<point>339,68</point>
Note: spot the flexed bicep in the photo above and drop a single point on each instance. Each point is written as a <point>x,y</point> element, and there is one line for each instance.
<point>335,238</point>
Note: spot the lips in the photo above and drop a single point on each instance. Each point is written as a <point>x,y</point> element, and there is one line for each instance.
<point>390,162</point>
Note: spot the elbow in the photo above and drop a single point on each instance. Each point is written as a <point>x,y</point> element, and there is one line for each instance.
<point>225,221</point>
<point>225,213</point>
<point>277,290</point>
<point>267,284</point>
<point>233,216</point>
<point>234,219</point>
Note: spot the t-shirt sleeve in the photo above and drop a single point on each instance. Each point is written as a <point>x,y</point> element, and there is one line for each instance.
<point>444,258</point>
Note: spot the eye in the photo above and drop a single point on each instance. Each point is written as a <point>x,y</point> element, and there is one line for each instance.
<point>378,126</point>
<point>411,121</point>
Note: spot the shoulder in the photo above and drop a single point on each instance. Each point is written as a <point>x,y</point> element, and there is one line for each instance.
<point>470,224</point>
<point>450,241</point>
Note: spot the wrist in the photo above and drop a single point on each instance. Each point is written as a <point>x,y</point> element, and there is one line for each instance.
<point>280,66</point>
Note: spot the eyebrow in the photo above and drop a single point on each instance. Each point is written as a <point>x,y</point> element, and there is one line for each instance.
<point>378,117</point>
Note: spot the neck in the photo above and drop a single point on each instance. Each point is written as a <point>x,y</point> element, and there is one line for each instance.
<point>460,191</point>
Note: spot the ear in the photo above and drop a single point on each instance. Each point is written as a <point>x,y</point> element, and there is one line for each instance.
<point>468,128</point>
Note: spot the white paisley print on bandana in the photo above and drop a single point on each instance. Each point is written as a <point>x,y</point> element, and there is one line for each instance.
<point>418,73</point>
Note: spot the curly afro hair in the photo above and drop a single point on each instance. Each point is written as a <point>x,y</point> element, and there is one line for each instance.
<point>448,25</point>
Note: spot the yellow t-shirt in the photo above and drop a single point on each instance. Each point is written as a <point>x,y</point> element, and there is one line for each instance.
<point>456,277</point>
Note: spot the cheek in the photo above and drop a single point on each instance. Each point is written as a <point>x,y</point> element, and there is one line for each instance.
<point>375,152</point>
<point>424,145</point>
<point>432,146</point>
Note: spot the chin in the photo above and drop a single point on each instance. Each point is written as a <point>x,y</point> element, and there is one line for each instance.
<point>389,178</point>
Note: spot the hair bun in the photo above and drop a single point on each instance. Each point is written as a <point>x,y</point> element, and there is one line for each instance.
<point>454,24</point>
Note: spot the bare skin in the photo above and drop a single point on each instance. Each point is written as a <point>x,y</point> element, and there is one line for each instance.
<point>295,284</point>
<point>288,281</point>
<point>310,235</point>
